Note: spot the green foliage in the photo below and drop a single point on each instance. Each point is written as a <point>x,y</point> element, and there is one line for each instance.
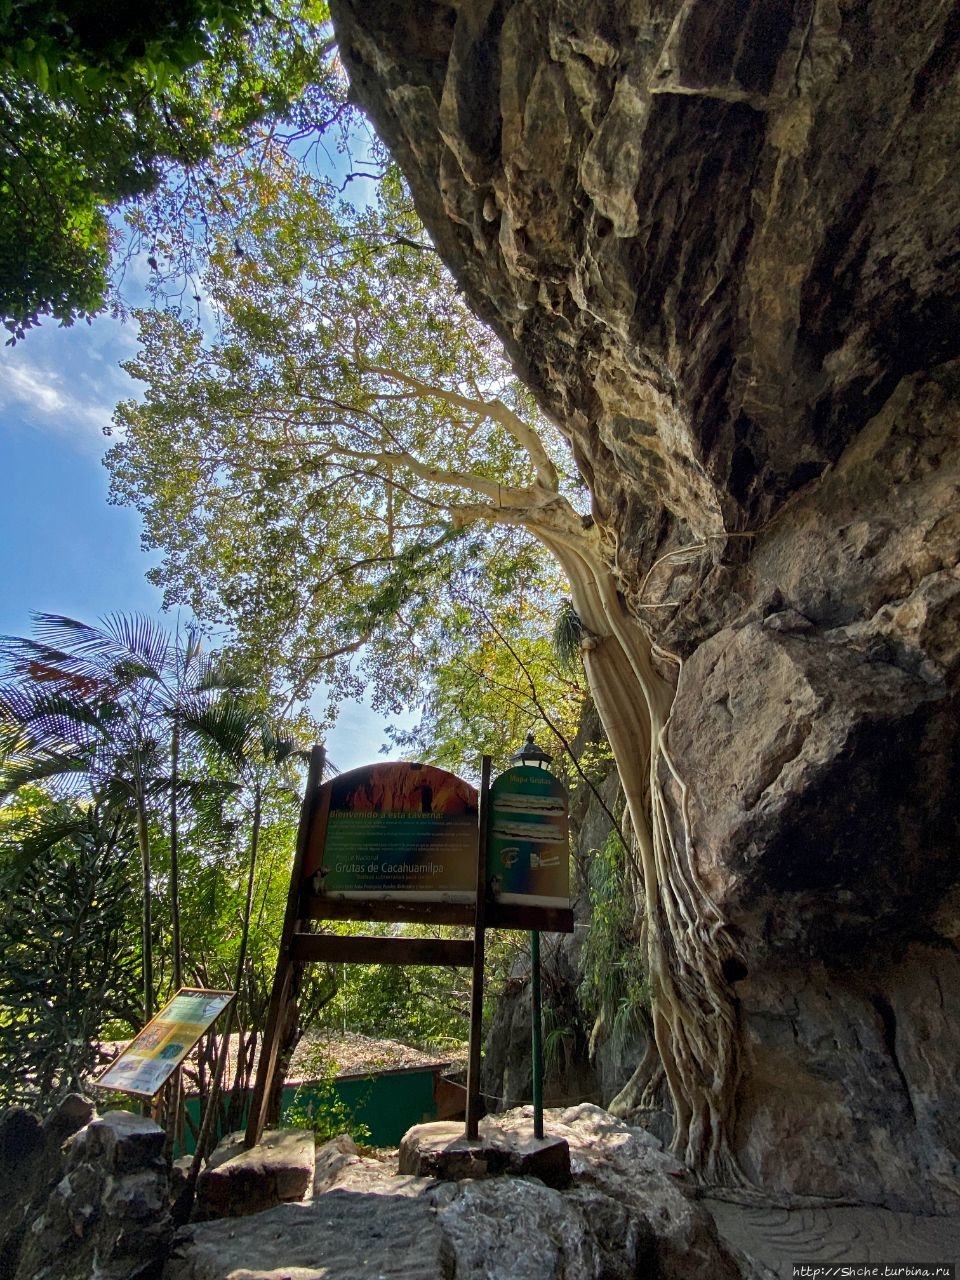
<point>328,476</point>
<point>99,106</point>
<point>614,987</point>
<point>423,1006</point>
<point>567,636</point>
<point>114,700</point>
<point>318,1106</point>
<point>69,963</point>
<point>115,707</point>
<point>559,1041</point>
<point>495,676</point>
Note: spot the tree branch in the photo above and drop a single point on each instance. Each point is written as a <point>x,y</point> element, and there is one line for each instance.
<point>495,410</point>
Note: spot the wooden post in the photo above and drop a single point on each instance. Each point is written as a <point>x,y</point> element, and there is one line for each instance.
<point>284,972</point>
<point>479,927</point>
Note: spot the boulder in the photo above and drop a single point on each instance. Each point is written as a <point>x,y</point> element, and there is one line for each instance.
<point>238,1181</point>
<point>505,1145</point>
<point>108,1212</point>
<point>367,1226</point>
<point>332,1158</point>
<point>625,1213</point>
<point>31,1163</point>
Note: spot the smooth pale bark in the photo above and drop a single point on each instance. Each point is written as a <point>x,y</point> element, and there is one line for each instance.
<point>685,937</point>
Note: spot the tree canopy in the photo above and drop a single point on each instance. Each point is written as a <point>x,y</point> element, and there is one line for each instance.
<point>101,104</point>
<point>338,469</point>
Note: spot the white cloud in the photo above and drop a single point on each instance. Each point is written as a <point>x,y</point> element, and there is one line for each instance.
<point>62,384</point>
<point>29,388</point>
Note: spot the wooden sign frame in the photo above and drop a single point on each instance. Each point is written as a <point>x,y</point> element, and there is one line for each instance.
<point>298,947</point>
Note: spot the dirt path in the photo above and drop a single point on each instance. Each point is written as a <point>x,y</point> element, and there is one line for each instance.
<point>836,1236</point>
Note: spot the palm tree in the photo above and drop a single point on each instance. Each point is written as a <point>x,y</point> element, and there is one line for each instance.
<point>200,705</point>
<point>262,756</point>
<point>109,707</point>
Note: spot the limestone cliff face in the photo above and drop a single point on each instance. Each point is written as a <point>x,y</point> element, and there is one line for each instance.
<point>721,240</point>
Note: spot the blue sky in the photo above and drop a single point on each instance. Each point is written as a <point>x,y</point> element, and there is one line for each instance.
<point>63,549</point>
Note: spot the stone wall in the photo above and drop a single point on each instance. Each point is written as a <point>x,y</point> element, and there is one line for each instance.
<point>82,1195</point>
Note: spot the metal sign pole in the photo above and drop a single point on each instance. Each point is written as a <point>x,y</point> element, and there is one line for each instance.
<point>479,927</point>
<point>537,1037</point>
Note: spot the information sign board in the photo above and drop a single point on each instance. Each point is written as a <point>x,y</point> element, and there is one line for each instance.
<point>528,854</point>
<point>155,1053</point>
<point>401,830</point>
<point>411,843</point>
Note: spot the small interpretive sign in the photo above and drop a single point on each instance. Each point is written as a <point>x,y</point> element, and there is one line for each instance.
<point>528,857</point>
<point>155,1053</point>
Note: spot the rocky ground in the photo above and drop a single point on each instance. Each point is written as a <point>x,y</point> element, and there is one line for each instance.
<point>625,1212</point>
<point>837,1235</point>
<point>84,1196</point>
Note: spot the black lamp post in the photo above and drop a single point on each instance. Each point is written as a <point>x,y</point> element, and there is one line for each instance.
<point>531,754</point>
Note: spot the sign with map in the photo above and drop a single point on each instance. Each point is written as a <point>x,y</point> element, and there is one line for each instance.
<point>151,1058</point>
<point>401,830</point>
<point>528,855</point>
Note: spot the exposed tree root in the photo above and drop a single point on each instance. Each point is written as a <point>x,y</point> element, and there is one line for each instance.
<point>641,1090</point>
<point>694,1015</point>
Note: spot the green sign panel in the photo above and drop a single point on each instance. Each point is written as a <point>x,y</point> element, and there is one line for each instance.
<point>406,831</point>
<point>528,858</point>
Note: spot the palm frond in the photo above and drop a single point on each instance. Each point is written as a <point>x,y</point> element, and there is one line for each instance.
<point>227,724</point>
<point>214,673</point>
<point>131,644</point>
<point>50,766</point>
<point>146,641</point>
<point>192,649</point>
<point>200,791</point>
<point>47,719</point>
<point>22,848</point>
<point>41,663</point>
<point>276,745</point>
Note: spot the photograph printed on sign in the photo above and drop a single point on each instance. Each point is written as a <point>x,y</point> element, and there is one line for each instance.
<point>154,1053</point>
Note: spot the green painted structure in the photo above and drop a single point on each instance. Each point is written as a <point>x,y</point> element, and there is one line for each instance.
<point>388,1103</point>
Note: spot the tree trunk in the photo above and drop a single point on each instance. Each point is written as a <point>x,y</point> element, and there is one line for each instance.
<point>694,1013</point>
<point>143,839</point>
<point>175,858</point>
<point>251,873</point>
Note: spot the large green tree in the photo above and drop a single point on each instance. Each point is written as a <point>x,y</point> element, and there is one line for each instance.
<point>105,103</point>
<point>348,460</point>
